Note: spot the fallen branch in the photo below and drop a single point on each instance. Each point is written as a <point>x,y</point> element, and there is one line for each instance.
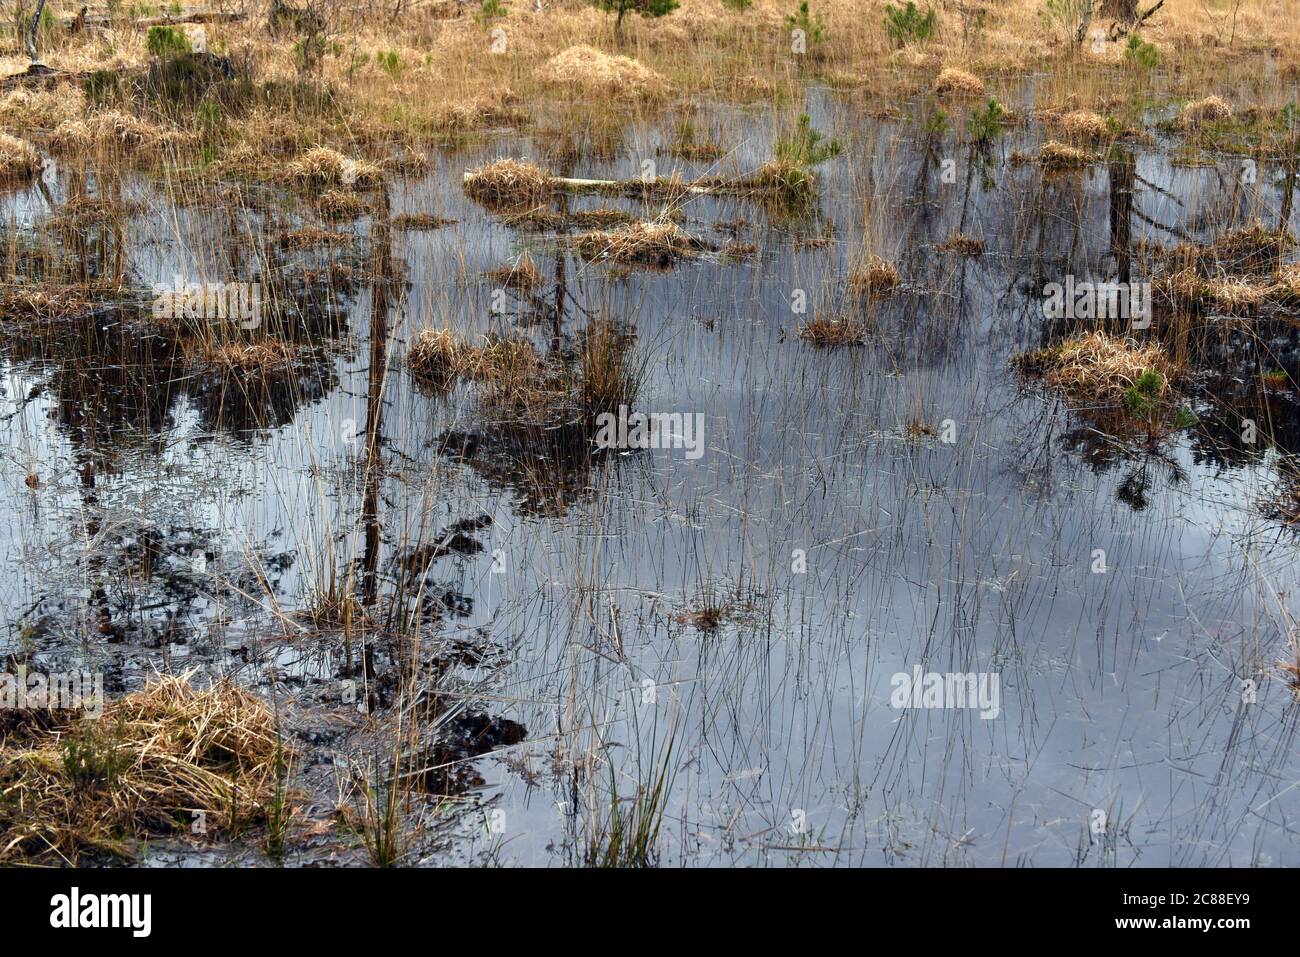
<point>84,19</point>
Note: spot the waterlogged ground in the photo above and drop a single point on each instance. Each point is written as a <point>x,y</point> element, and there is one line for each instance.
<point>831,542</point>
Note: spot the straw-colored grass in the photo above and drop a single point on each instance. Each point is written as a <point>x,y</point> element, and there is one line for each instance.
<point>74,785</point>
<point>1083,126</point>
<point>509,183</point>
<point>25,108</point>
<point>309,237</point>
<point>1197,113</point>
<point>322,166</point>
<point>420,221</point>
<point>874,276</point>
<point>438,357</point>
<point>658,243</point>
<point>19,160</point>
<point>115,130</point>
<point>1098,369</point>
<point>953,82</point>
<point>522,274</point>
<point>1060,156</point>
<point>50,302</point>
<point>832,331</point>
<point>588,71</point>
<point>261,356</point>
<point>341,205</point>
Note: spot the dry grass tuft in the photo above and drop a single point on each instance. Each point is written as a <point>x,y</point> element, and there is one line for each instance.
<point>592,72</point>
<point>1059,156</point>
<point>25,108</point>
<point>322,166</point>
<point>309,237</point>
<point>50,302</point>
<point>439,358</point>
<point>1098,369</point>
<point>513,375</point>
<point>954,82</point>
<point>509,183</point>
<point>1084,126</point>
<point>833,331</point>
<point>113,129</point>
<point>874,277</point>
<point>548,220</point>
<point>1211,109</point>
<point>75,785</point>
<point>658,244</point>
<point>262,356</point>
<point>415,221</point>
<point>1255,251</point>
<point>341,205</point>
<point>19,160</point>
<point>782,178</point>
<point>522,274</point>
<point>959,244</point>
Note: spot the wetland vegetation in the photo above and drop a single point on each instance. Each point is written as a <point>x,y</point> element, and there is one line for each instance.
<point>642,433</point>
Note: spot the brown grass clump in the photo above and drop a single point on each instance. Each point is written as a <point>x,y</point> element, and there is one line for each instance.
<point>322,166</point>
<point>439,358</point>
<point>1059,156</point>
<point>1248,293</point>
<point>408,162</point>
<point>415,221</point>
<point>47,303</point>
<point>1097,369</point>
<point>588,70</point>
<point>19,160</point>
<point>783,178</point>
<point>1084,126</point>
<point>833,331</point>
<point>1211,109</point>
<point>959,244</point>
<point>522,274</point>
<point>513,375</point>
<point>309,237</point>
<point>874,277</point>
<point>241,159</point>
<point>954,82</point>
<point>548,220</point>
<point>507,183</point>
<point>74,785</point>
<point>658,244</point>
<point>1287,283</point>
<point>263,356</point>
<point>1250,256</point>
<point>1235,294</point>
<point>113,129</point>
<point>26,108</point>
<point>338,204</point>
<point>612,370</point>
<point>515,378</point>
<point>1255,248</point>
